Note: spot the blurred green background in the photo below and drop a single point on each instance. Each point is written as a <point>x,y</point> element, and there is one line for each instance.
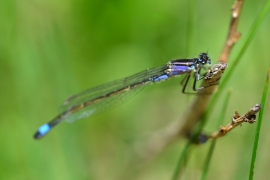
<point>52,49</point>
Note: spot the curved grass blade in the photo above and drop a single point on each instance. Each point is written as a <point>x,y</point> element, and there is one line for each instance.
<point>257,136</point>
<point>213,143</point>
<point>252,31</point>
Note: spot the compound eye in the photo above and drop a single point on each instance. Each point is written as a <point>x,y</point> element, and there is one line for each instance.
<point>204,58</point>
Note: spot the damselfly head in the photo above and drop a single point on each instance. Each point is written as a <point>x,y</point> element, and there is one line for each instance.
<point>204,59</point>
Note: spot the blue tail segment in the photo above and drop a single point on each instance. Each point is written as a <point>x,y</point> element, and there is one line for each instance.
<point>44,129</point>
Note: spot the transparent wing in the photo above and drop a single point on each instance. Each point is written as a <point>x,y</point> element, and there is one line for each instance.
<point>117,96</point>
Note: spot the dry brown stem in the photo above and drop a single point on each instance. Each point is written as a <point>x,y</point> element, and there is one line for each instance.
<point>196,110</point>
<point>236,121</point>
<point>233,34</point>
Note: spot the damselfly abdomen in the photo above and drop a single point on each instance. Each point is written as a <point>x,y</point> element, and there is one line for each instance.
<point>95,100</point>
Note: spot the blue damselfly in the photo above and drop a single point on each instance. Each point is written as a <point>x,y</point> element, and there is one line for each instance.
<point>95,100</point>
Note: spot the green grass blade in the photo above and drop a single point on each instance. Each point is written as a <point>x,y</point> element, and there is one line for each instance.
<point>181,161</point>
<point>186,150</point>
<point>257,136</point>
<point>250,35</point>
<point>213,143</point>
<point>208,160</point>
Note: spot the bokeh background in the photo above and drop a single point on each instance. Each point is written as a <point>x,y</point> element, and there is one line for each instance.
<point>52,49</point>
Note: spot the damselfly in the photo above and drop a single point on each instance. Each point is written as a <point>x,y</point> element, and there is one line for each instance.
<point>95,100</point>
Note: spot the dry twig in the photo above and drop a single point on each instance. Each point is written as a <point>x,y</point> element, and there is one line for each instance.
<point>194,113</point>
<point>198,107</point>
<point>233,34</point>
<point>163,138</point>
<point>236,121</point>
